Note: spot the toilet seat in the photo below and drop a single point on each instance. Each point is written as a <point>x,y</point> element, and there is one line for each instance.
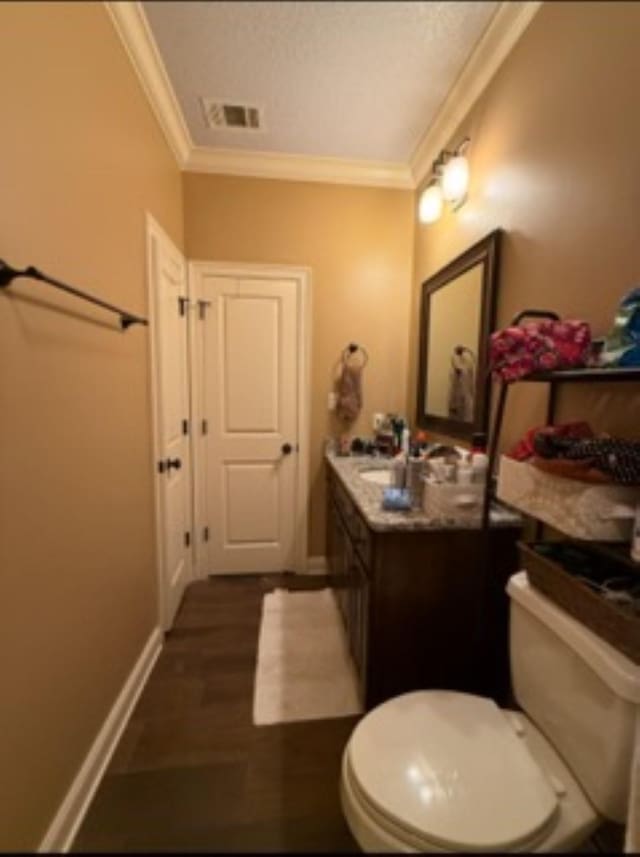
<point>439,771</point>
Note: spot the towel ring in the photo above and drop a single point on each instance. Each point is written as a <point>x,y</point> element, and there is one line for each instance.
<point>465,357</point>
<point>351,349</point>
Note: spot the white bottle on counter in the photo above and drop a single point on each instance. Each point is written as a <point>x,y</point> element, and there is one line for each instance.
<point>465,470</point>
<point>479,467</point>
<point>406,439</point>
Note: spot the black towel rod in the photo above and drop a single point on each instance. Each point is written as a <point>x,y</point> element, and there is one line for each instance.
<point>9,274</point>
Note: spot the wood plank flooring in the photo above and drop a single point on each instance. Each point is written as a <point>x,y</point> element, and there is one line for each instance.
<point>192,773</point>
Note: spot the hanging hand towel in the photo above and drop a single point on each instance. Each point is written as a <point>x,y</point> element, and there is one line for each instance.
<point>462,384</point>
<point>349,390</point>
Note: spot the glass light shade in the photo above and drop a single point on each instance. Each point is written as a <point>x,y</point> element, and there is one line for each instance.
<point>430,205</point>
<point>455,178</point>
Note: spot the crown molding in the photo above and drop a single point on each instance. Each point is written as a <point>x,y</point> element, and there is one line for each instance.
<point>506,27</point>
<point>275,165</point>
<point>131,25</point>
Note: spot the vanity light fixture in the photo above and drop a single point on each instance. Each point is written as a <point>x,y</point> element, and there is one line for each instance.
<point>455,179</point>
<point>430,205</point>
<point>449,183</point>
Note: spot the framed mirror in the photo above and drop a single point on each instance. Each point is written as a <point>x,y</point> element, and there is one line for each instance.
<point>457,315</point>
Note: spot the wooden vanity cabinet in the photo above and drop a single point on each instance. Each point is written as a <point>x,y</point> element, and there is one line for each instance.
<point>352,587</point>
<point>418,608</point>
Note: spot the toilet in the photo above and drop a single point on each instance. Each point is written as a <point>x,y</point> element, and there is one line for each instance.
<point>445,771</point>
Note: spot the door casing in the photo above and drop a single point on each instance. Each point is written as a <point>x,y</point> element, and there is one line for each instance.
<point>154,232</point>
<point>302,277</point>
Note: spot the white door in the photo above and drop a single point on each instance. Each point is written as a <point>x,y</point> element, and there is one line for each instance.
<point>168,294</point>
<point>249,401</point>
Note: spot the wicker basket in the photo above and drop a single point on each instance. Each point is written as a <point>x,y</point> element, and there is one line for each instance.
<point>619,627</point>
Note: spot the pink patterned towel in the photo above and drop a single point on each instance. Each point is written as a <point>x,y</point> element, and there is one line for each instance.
<point>538,346</point>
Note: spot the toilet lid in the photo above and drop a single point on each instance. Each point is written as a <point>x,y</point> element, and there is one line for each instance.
<point>449,768</point>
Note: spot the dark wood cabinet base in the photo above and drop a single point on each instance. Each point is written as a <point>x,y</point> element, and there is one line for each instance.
<point>423,609</point>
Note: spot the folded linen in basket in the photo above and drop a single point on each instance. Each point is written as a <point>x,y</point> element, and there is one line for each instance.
<point>616,459</point>
<point>525,448</point>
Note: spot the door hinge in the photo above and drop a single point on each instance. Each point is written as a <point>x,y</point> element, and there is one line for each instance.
<point>205,426</point>
<point>185,426</point>
<point>187,539</point>
<point>205,534</point>
<point>183,303</point>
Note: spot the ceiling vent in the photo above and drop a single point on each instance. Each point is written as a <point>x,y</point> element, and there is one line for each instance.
<point>222,114</point>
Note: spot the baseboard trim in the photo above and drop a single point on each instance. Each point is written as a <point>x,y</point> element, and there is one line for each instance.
<point>62,831</point>
<point>317,565</point>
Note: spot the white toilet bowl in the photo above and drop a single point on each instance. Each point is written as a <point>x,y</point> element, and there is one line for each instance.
<point>442,771</point>
<point>446,772</point>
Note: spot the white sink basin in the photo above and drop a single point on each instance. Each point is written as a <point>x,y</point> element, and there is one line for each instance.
<point>378,477</point>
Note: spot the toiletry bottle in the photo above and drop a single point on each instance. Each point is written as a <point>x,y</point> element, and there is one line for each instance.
<point>415,471</point>
<point>635,537</point>
<point>397,424</point>
<point>405,440</point>
<point>479,458</point>
<point>398,471</point>
<point>465,470</point>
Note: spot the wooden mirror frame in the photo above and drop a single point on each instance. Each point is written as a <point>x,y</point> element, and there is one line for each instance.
<point>487,253</point>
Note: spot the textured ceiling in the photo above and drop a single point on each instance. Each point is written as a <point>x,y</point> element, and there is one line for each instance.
<point>338,79</point>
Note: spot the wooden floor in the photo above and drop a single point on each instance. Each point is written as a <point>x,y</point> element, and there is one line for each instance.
<point>191,772</point>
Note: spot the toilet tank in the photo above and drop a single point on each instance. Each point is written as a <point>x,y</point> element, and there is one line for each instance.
<point>580,691</point>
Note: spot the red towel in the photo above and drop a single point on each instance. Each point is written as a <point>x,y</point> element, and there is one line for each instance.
<point>539,346</point>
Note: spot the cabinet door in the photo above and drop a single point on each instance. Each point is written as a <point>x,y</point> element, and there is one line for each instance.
<point>337,541</point>
<point>352,601</point>
<point>360,631</point>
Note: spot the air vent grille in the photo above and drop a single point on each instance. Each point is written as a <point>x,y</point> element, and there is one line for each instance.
<point>225,114</point>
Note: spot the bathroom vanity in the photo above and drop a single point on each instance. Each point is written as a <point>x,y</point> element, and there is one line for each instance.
<point>422,608</point>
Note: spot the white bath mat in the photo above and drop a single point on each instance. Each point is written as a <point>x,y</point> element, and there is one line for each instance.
<point>304,670</point>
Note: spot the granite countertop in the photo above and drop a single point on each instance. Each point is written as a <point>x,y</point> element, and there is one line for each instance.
<point>368,498</point>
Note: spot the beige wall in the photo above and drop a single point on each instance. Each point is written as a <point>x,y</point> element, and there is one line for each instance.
<point>81,158</point>
<point>554,162</point>
<point>358,243</point>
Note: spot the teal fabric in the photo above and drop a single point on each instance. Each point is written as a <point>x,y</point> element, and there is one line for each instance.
<point>622,345</point>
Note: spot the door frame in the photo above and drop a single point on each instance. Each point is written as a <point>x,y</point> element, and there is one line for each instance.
<point>155,233</point>
<point>246,270</point>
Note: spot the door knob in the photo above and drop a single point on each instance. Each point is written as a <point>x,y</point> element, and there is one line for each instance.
<point>168,464</point>
<point>286,449</point>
